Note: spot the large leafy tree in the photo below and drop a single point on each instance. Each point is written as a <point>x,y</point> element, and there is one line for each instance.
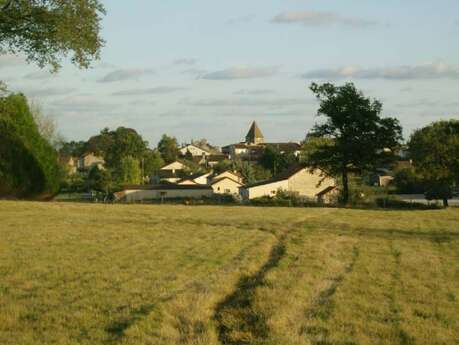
<point>435,153</point>
<point>276,161</point>
<point>168,147</point>
<point>118,144</point>
<point>45,31</point>
<point>358,138</point>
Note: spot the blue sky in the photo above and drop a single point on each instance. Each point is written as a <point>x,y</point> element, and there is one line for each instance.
<point>204,68</point>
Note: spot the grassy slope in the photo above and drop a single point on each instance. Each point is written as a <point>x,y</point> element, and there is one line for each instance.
<point>96,274</point>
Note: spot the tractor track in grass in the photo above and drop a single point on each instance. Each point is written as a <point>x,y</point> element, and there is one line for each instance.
<point>323,307</point>
<point>238,323</point>
<point>403,336</point>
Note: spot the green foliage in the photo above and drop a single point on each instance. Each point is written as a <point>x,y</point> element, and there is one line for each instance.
<point>152,162</point>
<point>358,137</point>
<point>261,173</point>
<point>407,181</point>
<point>72,149</point>
<point>435,153</point>
<point>99,180</point>
<point>223,166</point>
<point>168,147</point>
<point>47,30</point>
<point>116,145</point>
<point>128,171</point>
<point>28,163</point>
<point>275,161</point>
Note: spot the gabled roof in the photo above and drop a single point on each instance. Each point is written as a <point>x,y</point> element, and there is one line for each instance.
<point>254,133</point>
<point>281,177</point>
<point>224,178</point>
<point>234,173</point>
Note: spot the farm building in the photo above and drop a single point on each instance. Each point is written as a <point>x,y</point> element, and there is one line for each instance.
<point>297,180</point>
<point>159,192</point>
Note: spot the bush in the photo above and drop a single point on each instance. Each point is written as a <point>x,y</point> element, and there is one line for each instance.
<point>392,202</point>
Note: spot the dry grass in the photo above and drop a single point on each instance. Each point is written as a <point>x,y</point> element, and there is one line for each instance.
<point>114,274</point>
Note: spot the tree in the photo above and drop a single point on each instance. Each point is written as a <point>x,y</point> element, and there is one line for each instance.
<point>46,125</point>
<point>407,181</point>
<point>99,180</point>
<point>118,144</point>
<point>358,137</point>
<point>128,171</point>
<point>276,161</point>
<point>435,153</point>
<point>72,149</point>
<point>47,30</point>
<point>168,148</point>
<point>28,163</point>
<point>152,162</point>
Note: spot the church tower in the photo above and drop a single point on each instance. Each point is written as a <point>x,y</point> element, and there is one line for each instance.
<point>254,136</point>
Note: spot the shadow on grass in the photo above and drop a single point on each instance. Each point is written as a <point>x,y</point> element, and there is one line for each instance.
<point>238,322</point>
<point>435,236</point>
<point>117,328</point>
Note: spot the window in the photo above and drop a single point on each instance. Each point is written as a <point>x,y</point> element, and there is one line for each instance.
<point>227,191</point>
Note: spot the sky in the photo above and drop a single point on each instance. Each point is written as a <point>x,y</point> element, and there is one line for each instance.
<point>207,69</point>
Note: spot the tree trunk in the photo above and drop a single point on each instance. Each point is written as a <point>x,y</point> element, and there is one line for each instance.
<point>445,202</point>
<point>345,181</point>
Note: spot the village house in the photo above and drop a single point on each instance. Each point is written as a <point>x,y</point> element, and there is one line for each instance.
<point>254,146</point>
<point>194,150</point>
<point>163,192</point>
<point>172,172</point>
<point>225,185</point>
<point>198,178</point>
<point>71,163</point>
<point>90,160</point>
<point>234,175</point>
<point>298,180</point>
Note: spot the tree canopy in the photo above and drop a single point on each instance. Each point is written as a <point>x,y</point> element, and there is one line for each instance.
<point>117,144</point>
<point>168,147</point>
<point>435,153</point>
<point>46,31</point>
<point>28,163</point>
<point>358,138</point>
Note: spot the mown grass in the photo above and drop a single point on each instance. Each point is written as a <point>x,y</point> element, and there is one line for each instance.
<point>132,274</point>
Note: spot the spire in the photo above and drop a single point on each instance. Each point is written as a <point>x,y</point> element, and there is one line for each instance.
<point>254,136</point>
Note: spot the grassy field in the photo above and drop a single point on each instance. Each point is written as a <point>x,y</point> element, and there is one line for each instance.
<point>132,274</point>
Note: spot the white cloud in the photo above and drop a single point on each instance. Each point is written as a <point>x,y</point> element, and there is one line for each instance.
<point>78,104</point>
<point>9,60</point>
<point>249,102</point>
<point>47,92</point>
<point>185,61</point>
<point>125,74</point>
<point>243,72</point>
<point>425,71</point>
<point>241,20</point>
<point>40,75</point>
<point>313,18</point>
<point>253,92</point>
<point>150,91</point>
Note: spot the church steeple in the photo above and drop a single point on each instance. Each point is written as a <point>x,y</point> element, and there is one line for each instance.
<point>254,136</point>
